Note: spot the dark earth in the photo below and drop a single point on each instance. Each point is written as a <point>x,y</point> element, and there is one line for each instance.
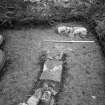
<point>84,80</point>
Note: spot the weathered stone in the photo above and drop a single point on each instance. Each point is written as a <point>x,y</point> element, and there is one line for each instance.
<point>55,54</point>
<point>1,39</point>
<point>46,96</point>
<point>22,104</point>
<point>33,100</point>
<point>52,70</point>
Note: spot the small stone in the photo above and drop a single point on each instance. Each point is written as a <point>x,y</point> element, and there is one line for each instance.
<point>1,39</point>
<point>52,102</point>
<point>94,97</point>
<point>38,93</point>
<point>22,104</point>
<point>46,96</point>
<point>33,100</point>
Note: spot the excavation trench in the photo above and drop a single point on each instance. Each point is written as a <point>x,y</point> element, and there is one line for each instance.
<point>83,81</point>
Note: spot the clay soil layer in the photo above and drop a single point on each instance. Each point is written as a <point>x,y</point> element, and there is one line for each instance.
<point>84,80</point>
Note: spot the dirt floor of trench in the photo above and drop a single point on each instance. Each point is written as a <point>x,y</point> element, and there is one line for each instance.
<point>84,80</point>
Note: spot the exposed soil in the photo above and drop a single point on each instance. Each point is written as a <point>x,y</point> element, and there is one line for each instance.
<point>84,80</point>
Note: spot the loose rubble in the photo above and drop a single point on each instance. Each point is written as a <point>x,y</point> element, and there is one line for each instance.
<point>72,31</point>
